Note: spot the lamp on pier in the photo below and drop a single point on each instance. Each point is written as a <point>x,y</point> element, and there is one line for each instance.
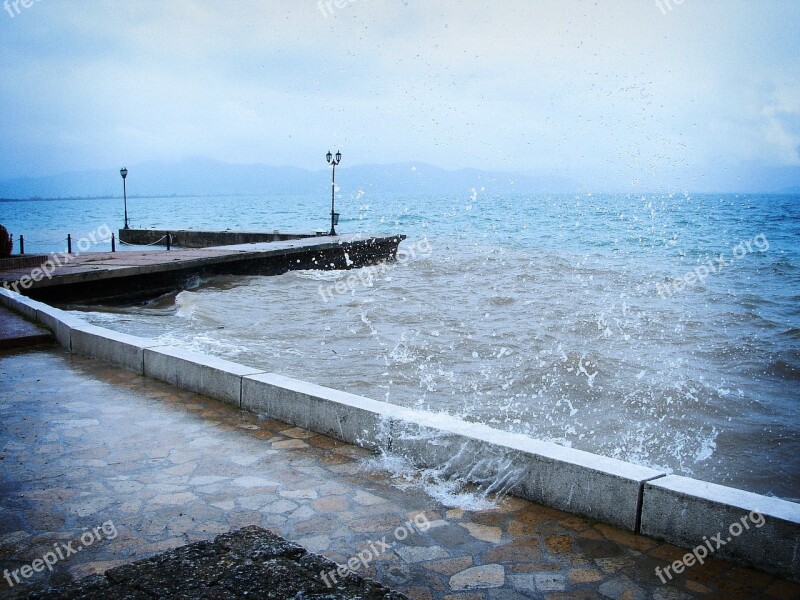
<point>333,161</point>
<point>124,172</point>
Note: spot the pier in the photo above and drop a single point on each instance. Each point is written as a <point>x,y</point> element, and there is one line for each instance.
<point>136,275</point>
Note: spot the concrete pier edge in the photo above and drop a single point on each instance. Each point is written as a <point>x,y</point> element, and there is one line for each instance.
<point>685,512</point>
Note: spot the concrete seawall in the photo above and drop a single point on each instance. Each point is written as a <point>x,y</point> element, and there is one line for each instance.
<point>189,238</point>
<point>682,511</point>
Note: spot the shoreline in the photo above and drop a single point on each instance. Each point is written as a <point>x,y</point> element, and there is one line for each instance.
<point>671,508</point>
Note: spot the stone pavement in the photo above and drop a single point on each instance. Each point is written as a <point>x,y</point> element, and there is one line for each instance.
<point>87,449</point>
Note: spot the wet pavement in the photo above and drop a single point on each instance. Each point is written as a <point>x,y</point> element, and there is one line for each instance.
<point>91,453</point>
<point>16,332</point>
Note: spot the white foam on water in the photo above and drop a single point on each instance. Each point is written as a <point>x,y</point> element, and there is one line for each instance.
<point>446,488</point>
<point>204,344</point>
<point>186,304</point>
<point>319,275</point>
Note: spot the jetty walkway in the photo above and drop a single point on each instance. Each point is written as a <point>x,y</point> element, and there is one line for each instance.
<point>129,276</point>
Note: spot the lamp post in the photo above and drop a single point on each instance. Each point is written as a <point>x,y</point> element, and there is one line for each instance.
<point>333,161</point>
<point>124,172</point>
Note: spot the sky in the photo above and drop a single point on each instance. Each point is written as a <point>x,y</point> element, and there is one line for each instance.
<point>652,93</point>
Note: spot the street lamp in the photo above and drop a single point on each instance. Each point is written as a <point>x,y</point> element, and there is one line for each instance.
<point>124,172</point>
<point>333,162</point>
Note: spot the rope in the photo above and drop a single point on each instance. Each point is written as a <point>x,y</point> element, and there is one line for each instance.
<point>42,242</point>
<point>152,244</point>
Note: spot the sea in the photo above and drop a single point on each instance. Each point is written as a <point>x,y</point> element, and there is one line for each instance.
<point>663,330</point>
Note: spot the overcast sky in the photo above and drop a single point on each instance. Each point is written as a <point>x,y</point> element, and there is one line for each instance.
<point>624,88</point>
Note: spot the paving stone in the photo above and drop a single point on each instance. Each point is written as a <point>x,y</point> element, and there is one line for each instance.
<point>331,504</point>
<point>416,554</point>
<point>302,514</point>
<point>614,563</point>
<point>482,577</point>
<point>437,523</point>
<point>626,538</point>
<point>450,566</point>
<point>451,535</point>
<point>290,444</point>
<point>165,488</point>
<point>584,575</point>
<point>667,593</point>
<point>418,593</point>
<point>699,588</point>
<point>558,543</point>
<point>206,479</point>
<point>506,594</point>
<point>622,589</point>
<point>181,498</point>
<point>397,575</point>
<point>256,502</point>
<point>375,524</point>
<point>367,499</point>
<point>525,582</point>
<point>575,523</point>
<point>299,494</point>
<point>598,548</point>
<point>515,551</point>
<point>298,433</point>
<point>549,582</point>
<point>667,552</point>
<point>317,543</point>
<point>579,594</point>
<point>483,532</point>
<point>251,481</point>
<point>244,460</point>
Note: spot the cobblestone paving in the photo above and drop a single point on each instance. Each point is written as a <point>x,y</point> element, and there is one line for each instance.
<point>87,446</point>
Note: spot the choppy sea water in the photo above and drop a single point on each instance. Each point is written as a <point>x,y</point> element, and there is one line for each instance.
<point>562,317</point>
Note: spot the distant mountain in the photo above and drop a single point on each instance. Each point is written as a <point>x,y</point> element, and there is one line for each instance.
<point>207,177</point>
<point>203,177</point>
<point>757,177</point>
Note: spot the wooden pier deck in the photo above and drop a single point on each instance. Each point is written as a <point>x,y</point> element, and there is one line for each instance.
<point>129,276</point>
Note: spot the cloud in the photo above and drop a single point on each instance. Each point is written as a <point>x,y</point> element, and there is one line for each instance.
<point>610,91</point>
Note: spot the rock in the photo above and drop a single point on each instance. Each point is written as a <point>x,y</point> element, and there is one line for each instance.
<point>248,563</point>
